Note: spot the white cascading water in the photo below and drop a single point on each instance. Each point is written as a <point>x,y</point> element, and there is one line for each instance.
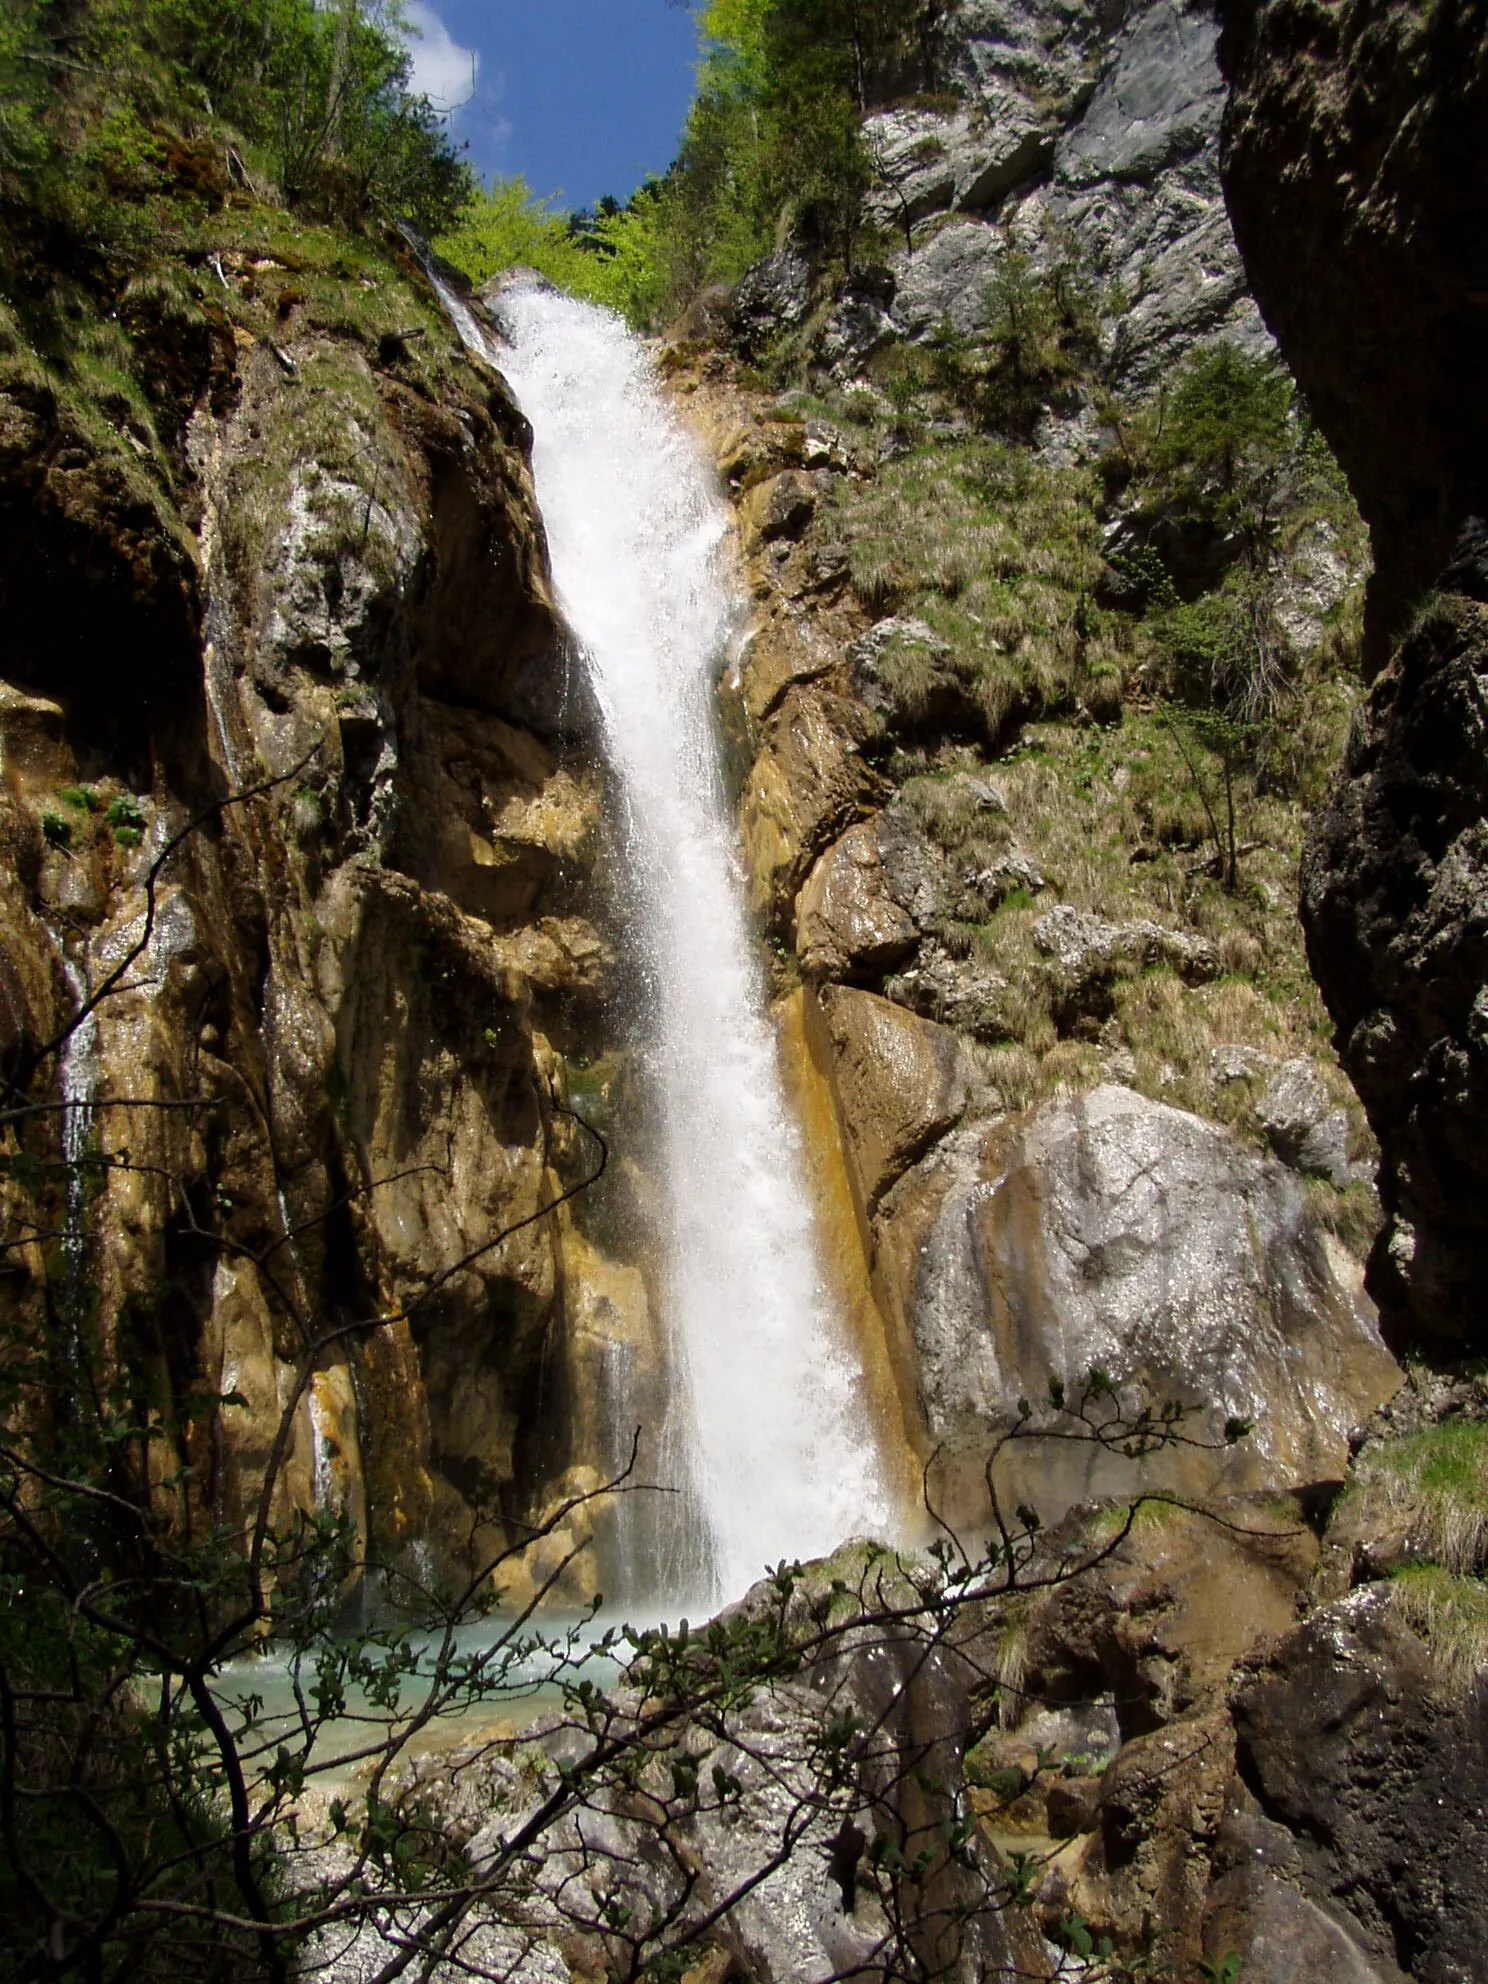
<point>770,1422</point>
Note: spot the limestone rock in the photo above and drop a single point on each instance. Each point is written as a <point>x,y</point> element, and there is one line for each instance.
<point>1086,953</point>
<point>1007,874</point>
<point>1281,1937</point>
<point>945,280</point>
<point>1349,1738</point>
<point>926,162</point>
<point>1395,906</point>
<point>1156,1628</point>
<point>1301,1124</point>
<point>1161,1804</point>
<point>1077,140</point>
<point>965,993</point>
<point>1073,1806</point>
<point>780,507</point>
<point>1119,1233</point>
<point>865,657</point>
<point>806,785</point>
<point>908,676</point>
<point>806,1917</point>
<point>786,648</point>
<point>860,323</point>
<point>900,1082</point>
<point>773,296</point>
<point>848,923</point>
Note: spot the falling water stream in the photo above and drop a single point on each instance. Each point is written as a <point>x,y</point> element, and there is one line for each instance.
<point>768,1435</point>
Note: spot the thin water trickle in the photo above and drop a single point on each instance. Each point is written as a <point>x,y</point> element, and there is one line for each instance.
<point>769,1436</point>
<point>78,1075</point>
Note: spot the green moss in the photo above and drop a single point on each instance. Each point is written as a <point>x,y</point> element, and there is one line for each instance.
<point>125,812</point>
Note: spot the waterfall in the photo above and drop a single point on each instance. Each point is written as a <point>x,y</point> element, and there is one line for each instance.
<point>768,1435</point>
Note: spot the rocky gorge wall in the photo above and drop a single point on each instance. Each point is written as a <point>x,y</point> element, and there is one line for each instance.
<point>1357,183</point>
<point>1040,1026</point>
<point>1069,1089</point>
<point>1083,1115</point>
<point>307,608</point>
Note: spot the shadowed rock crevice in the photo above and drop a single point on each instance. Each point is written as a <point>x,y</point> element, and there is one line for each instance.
<point>1358,187</point>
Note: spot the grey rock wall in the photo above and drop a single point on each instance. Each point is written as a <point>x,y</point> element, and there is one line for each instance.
<point>1076,140</point>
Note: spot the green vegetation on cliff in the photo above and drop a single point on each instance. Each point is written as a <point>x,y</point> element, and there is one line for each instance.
<point>109,105</point>
<point>773,145</point>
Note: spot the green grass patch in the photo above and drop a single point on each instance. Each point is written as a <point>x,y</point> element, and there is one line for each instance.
<point>1440,1477</point>
<point>1449,1612</point>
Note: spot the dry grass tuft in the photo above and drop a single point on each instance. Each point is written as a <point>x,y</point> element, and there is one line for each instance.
<point>1451,1615</point>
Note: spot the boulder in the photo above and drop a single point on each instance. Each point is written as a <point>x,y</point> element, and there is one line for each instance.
<point>899,1083</point>
<point>848,924</point>
<point>1394,901</point>
<point>859,324</point>
<point>1117,1233</point>
<point>1301,1124</point>
<point>865,657</point>
<point>1086,954</point>
<point>1161,1803</point>
<point>1072,1806</point>
<point>1281,1937</point>
<point>966,993</point>
<point>1349,1737</point>
<point>771,297</point>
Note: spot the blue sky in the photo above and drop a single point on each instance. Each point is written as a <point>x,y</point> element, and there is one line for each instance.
<point>582,97</point>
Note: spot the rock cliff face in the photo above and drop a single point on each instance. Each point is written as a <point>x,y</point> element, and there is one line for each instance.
<point>319,628</point>
<point>1355,175</point>
<point>1355,172</point>
<point>1396,904</point>
<point>1037,1192</point>
<point>1079,138</point>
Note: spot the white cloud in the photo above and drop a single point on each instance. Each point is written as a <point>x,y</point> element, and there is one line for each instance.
<point>443,71</point>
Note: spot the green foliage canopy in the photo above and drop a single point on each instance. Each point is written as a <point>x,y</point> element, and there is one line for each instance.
<point>98,97</point>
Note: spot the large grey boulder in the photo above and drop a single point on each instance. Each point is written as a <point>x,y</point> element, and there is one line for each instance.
<point>733,1823</point>
<point>1301,1124</point>
<point>1117,1233</point>
<point>772,297</point>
